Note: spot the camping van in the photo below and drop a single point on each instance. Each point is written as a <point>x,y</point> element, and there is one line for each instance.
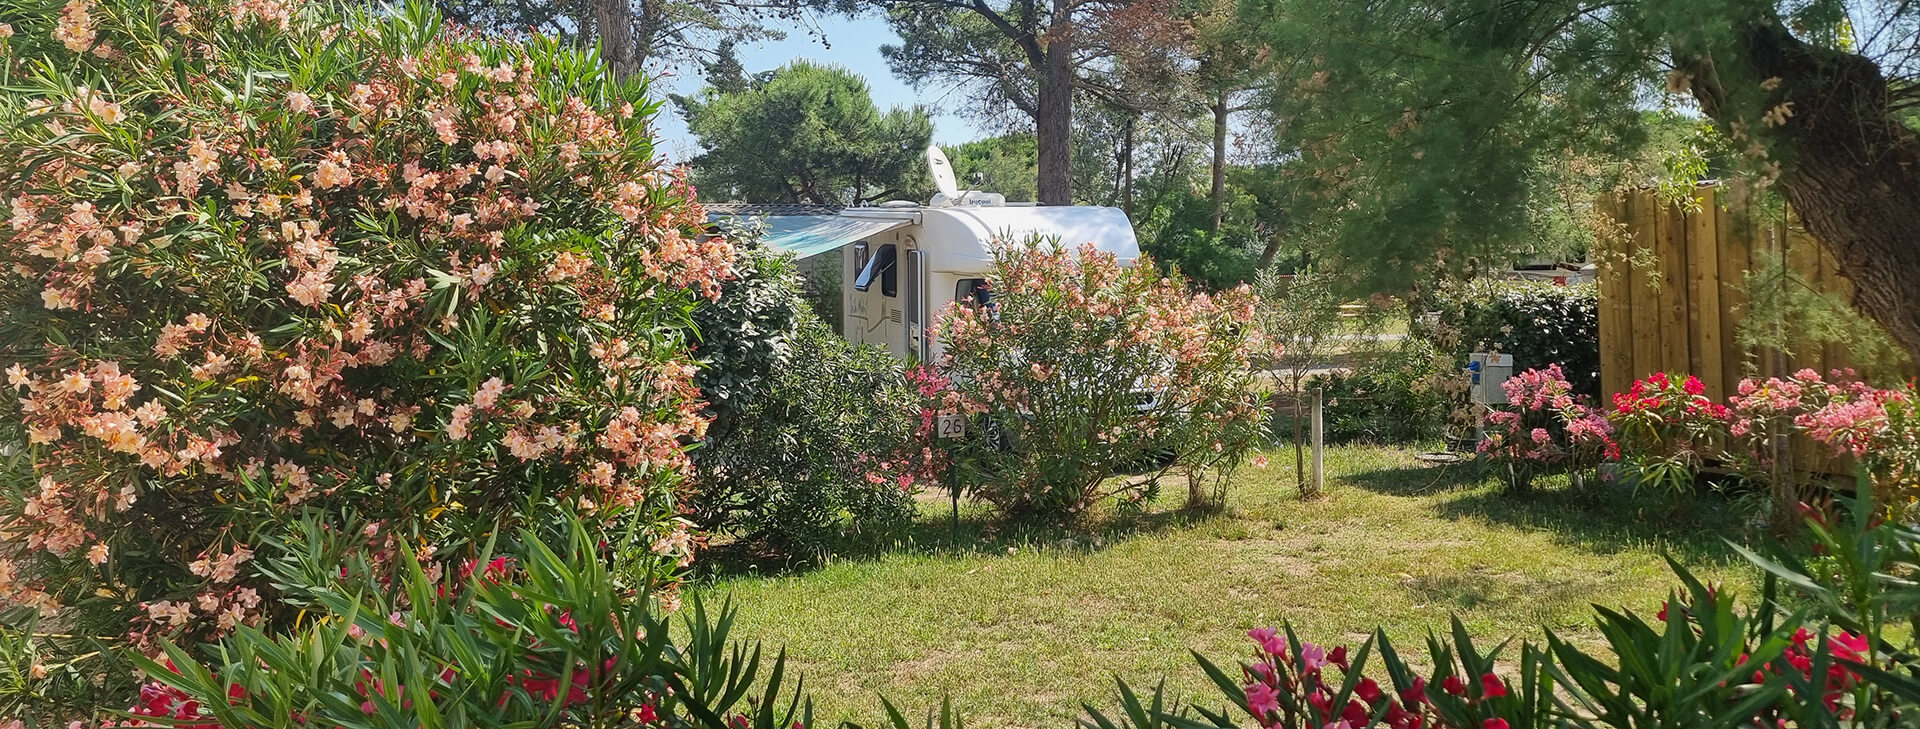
<point>901,262</point>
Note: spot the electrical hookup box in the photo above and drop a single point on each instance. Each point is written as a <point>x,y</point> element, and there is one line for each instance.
<point>1487,371</point>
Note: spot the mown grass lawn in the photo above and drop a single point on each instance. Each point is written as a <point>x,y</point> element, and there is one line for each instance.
<point>1019,628</point>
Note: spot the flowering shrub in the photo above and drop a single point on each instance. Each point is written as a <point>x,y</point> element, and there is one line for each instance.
<point>1291,683</point>
<point>1839,413</point>
<point>546,636</point>
<point>1084,367</point>
<point>1667,428</point>
<point>263,262</point>
<point>1549,429</point>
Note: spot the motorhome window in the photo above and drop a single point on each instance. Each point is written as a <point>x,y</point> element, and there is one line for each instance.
<point>889,273</point>
<point>881,265</point>
<point>973,288</point>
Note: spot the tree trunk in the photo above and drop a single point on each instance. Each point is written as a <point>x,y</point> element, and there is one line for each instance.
<point>1126,169</point>
<point>1850,170</point>
<point>1299,445</point>
<point>1219,108</point>
<point>613,20</point>
<point>1271,250</point>
<point>1053,125</point>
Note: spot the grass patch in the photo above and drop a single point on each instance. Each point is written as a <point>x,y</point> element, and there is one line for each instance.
<point>1021,626</point>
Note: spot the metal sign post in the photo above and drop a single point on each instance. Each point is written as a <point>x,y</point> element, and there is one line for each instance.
<point>952,426</point>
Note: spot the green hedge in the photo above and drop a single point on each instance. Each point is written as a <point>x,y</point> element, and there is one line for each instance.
<point>1538,323</point>
<point>1389,397</point>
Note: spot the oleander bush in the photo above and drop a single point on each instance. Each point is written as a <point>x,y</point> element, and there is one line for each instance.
<point>821,458</point>
<point>1844,419</point>
<point>1667,429</point>
<point>266,262</point>
<point>1546,428</point>
<point>538,633</point>
<point>1081,367</point>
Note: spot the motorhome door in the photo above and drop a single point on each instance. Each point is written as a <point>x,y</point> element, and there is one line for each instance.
<point>876,312</point>
<point>914,294</point>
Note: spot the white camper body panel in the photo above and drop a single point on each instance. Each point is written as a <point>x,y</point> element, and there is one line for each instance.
<point>937,254</point>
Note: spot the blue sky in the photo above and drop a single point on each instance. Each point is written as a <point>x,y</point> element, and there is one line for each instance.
<point>855,44</point>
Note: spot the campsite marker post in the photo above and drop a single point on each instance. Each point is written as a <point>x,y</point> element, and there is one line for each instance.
<point>951,426</point>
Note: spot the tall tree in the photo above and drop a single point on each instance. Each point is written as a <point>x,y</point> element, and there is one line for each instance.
<point>1004,164</point>
<point>1426,119</point>
<point>1222,75</point>
<point>1030,55</point>
<point>806,133</point>
<point>1148,75</point>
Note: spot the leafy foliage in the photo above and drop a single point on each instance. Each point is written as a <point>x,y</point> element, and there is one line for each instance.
<point>746,335</point>
<point>543,634</point>
<point>807,133</point>
<point>1440,171</point>
<point>1391,397</point>
<point>1005,164</point>
<point>1300,316</point>
<point>1083,368</point>
<point>266,262</point>
<point>706,31</point>
<point>1785,313</point>
<point>815,457</point>
<point>1539,323</point>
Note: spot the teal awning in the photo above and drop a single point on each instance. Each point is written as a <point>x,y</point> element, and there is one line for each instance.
<point>811,235</point>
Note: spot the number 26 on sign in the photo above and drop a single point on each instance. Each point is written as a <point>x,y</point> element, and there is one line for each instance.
<point>950,425</point>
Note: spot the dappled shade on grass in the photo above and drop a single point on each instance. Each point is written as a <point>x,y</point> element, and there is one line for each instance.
<point>1021,626</point>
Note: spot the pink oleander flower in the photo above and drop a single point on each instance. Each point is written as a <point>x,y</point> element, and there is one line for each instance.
<point>1270,640</point>
<point>1262,700</point>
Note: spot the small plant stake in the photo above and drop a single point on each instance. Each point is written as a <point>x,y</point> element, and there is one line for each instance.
<point>1319,441</point>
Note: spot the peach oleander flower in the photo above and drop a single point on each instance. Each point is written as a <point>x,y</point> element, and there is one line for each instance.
<point>76,29</point>
<point>489,393</point>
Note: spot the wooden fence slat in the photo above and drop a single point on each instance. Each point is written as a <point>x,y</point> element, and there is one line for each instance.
<point>1672,249</point>
<point>1734,227</point>
<point>1703,294</point>
<point>1837,355</point>
<point>1615,306</point>
<point>1645,338</point>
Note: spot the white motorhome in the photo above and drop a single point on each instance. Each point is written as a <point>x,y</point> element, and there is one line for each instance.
<point>902,262</point>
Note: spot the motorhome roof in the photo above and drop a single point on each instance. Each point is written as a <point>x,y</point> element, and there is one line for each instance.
<point>962,238</point>
<point>956,238</point>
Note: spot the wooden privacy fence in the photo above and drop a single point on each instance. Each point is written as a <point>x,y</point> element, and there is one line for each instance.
<point>1672,292</point>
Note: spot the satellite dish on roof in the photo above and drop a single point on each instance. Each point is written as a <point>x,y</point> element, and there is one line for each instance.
<point>942,173</point>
